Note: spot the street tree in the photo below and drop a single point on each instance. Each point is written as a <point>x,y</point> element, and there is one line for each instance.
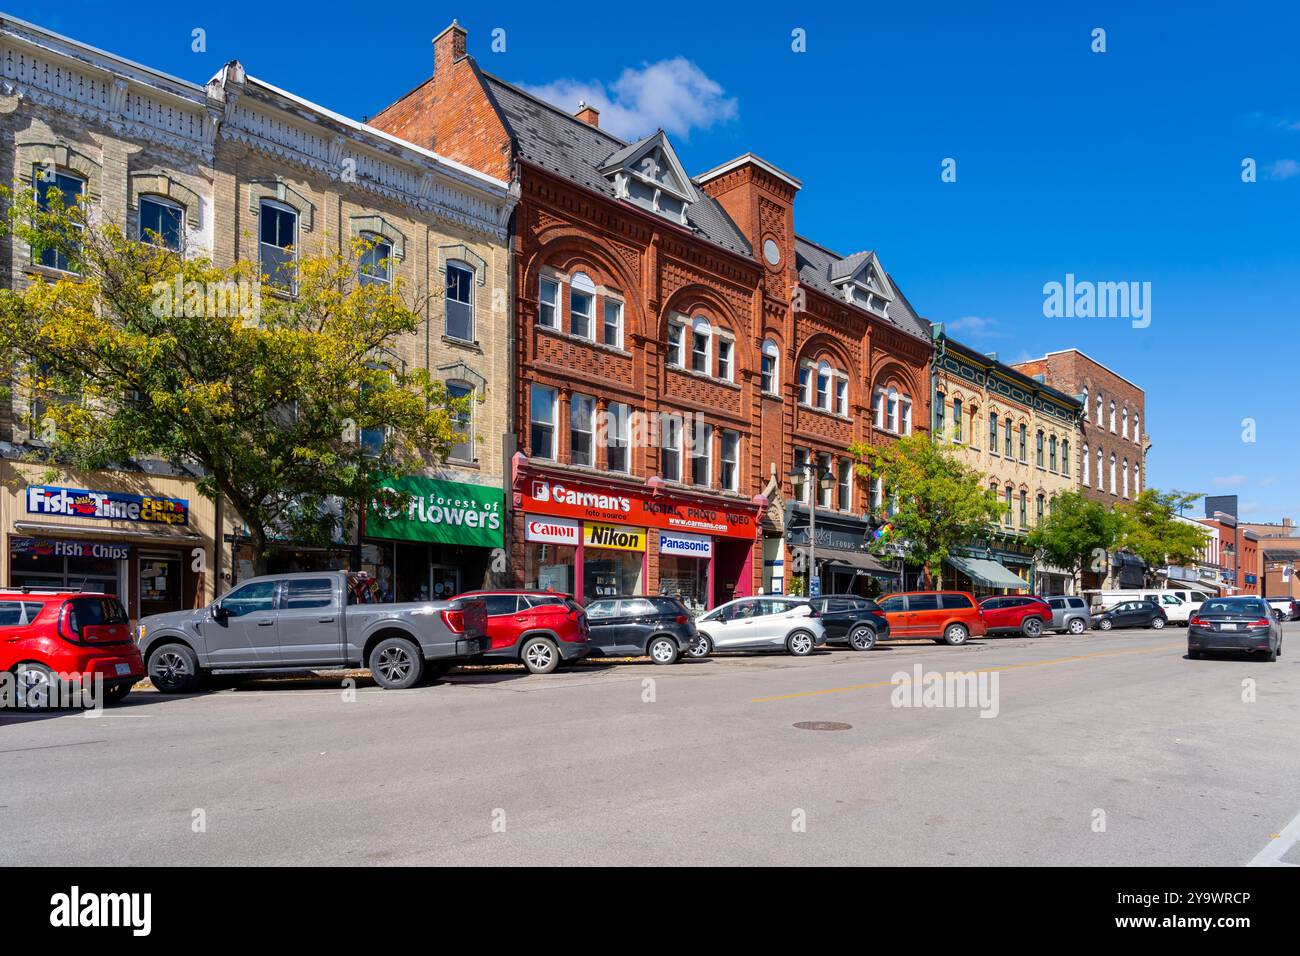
<point>284,390</point>
<point>1153,532</point>
<point>940,501</point>
<point>1078,533</point>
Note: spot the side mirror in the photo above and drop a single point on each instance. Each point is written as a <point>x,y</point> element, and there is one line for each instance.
<point>219,613</point>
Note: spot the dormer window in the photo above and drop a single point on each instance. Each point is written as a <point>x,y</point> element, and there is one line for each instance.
<point>861,281</point>
<point>648,174</point>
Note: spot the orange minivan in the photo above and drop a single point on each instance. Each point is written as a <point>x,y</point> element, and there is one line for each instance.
<point>946,617</point>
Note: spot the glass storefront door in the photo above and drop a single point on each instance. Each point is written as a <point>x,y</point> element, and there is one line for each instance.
<point>160,583</point>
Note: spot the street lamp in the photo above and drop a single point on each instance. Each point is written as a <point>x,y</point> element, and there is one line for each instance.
<point>798,475</point>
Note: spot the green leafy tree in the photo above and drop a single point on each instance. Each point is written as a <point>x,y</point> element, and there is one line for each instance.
<point>1078,533</point>
<point>941,501</point>
<point>145,353</point>
<point>1153,532</point>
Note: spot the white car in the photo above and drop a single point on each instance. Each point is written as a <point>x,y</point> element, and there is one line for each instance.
<point>767,623</point>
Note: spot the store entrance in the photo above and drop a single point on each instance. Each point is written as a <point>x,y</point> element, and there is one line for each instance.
<point>160,583</point>
<point>732,569</point>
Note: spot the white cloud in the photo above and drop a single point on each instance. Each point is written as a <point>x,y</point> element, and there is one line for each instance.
<point>1283,169</point>
<point>674,95</point>
<point>1229,481</point>
<point>1267,480</point>
<point>975,325</point>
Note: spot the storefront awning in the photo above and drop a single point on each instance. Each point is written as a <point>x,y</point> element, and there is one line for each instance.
<point>988,573</point>
<point>84,531</point>
<point>861,561</point>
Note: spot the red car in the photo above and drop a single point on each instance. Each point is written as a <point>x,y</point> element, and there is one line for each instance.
<point>66,635</point>
<point>1025,614</point>
<point>946,617</point>
<point>536,628</point>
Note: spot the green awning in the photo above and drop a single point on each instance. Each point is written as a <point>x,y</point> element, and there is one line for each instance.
<point>988,573</point>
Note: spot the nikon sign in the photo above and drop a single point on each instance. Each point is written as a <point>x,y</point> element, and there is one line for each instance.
<point>447,512</point>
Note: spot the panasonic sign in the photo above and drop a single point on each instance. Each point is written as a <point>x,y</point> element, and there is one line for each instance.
<point>686,545</point>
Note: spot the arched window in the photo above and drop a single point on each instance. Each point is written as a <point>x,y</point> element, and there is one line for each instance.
<point>1123,423</point>
<point>1101,420</point>
<point>1124,476</point>
<point>1038,448</point>
<point>1137,428</point>
<point>1085,403</point>
<point>1087,471</point>
<point>701,346</point>
<point>771,370</point>
<point>1051,453</point>
<point>1112,415</point>
<point>1137,480</point>
<point>958,425</point>
<point>1065,456</point>
<point>1112,473</point>
<point>892,410</point>
<point>825,375</point>
<point>1101,476</point>
<point>582,305</point>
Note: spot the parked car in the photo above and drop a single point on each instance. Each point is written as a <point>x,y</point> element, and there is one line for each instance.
<point>947,617</point>
<point>1179,603</point>
<point>1192,598</point>
<point>1284,608</point>
<point>661,628</point>
<point>1024,614</point>
<point>1235,624</point>
<point>293,623</point>
<point>760,624</point>
<point>538,629</point>
<point>1130,614</point>
<point>1069,613</point>
<point>848,619</point>
<point>71,635</point>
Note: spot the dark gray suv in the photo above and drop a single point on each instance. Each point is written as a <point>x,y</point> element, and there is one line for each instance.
<point>1069,613</point>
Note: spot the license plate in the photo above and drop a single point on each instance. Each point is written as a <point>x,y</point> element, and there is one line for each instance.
<point>1228,627</point>
<point>123,670</point>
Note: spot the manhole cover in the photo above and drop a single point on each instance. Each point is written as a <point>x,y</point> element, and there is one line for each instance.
<point>822,725</point>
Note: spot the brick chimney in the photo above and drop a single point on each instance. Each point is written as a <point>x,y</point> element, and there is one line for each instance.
<point>588,114</point>
<point>448,47</point>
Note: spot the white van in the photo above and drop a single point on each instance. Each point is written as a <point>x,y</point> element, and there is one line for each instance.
<point>1177,609</point>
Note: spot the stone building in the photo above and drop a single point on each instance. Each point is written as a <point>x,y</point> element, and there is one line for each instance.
<point>1024,436</point>
<point>238,169</point>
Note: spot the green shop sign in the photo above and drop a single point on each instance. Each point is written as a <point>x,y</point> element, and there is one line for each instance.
<point>448,512</point>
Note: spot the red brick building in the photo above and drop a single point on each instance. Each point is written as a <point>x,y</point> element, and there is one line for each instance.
<point>1239,554</point>
<point>1112,455</point>
<point>659,362</point>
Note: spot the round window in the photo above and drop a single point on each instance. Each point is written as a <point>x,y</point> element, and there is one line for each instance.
<point>771,252</point>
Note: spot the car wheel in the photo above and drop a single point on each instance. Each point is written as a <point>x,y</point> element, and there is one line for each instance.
<point>34,685</point>
<point>1105,624</point>
<point>1032,627</point>
<point>173,669</point>
<point>540,655</point>
<point>117,693</point>
<point>1076,625</point>
<point>396,663</point>
<point>1194,655</point>
<point>1270,655</point>
<point>955,635</point>
<point>1158,623</point>
<point>862,638</point>
<point>800,643</point>
<point>701,648</point>
<point>663,650</point>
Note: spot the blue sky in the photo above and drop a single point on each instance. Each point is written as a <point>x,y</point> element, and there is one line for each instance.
<point>1117,166</point>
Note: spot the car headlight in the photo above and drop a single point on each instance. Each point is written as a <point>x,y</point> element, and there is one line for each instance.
<point>139,633</point>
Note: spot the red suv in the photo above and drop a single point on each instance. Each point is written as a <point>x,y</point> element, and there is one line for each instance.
<point>536,628</point>
<point>66,635</point>
<point>946,617</point>
<point>1016,614</point>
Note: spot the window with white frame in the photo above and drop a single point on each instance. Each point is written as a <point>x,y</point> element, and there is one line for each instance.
<point>463,449</point>
<point>993,433</point>
<point>1101,414</point>
<point>1125,477</point>
<point>670,447</point>
<point>1086,470</point>
<point>825,487</point>
<point>844,484</point>
<point>805,383</point>
<point>1065,457</point>
<point>676,343</point>
<point>1137,430</point>
<point>1123,423</point>
<point>1137,481</point>
<point>877,494</point>
<point>459,303</point>
<point>1085,403</point>
<point>701,346</point>
<point>1051,453</point>
<point>582,439</point>
<point>541,420</point>
<point>1101,471</point>
<point>548,303</point>
<point>1006,423</point>
<point>1038,448</point>
<point>618,437</point>
<point>905,406</point>
<point>1112,473</point>
<point>892,410</point>
<point>278,238</point>
<point>730,461</point>
<point>823,386</point>
<point>702,456</point>
<point>726,350</point>
<point>612,330</point>
<point>770,368</point>
<point>802,490</point>
<point>842,396</point>
<point>940,410</point>
<point>582,305</point>
<point>1112,416</point>
<point>162,222</point>
<point>958,420</point>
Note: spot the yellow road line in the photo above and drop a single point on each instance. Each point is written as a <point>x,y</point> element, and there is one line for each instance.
<point>977,670</point>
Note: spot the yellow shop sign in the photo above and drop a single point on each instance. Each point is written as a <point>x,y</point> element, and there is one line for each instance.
<point>616,536</point>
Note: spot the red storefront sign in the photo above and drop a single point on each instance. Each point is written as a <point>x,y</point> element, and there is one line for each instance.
<point>571,498</point>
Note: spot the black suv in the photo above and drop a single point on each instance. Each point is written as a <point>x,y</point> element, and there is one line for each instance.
<point>849,619</point>
<point>659,627</point>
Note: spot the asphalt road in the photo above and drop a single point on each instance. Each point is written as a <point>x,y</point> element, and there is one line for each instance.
<point>1105,749</point>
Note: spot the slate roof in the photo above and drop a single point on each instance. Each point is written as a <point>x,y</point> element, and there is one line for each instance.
<point>819,267</point>
<point>555,140</point>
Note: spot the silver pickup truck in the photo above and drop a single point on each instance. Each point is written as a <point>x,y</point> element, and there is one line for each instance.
<point>286,623</point>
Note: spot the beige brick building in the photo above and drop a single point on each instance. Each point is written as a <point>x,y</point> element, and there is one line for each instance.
<point>238,169</point>
<point>1024,436</point>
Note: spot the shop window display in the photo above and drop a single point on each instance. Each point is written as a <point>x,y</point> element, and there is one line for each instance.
<point>550,566</point>
<point>610,573</point>
<point>686,579</point>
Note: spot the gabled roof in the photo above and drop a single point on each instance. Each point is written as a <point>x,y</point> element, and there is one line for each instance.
<point>557,141</point>
<point>679,184</point>
<point>820,269</point>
